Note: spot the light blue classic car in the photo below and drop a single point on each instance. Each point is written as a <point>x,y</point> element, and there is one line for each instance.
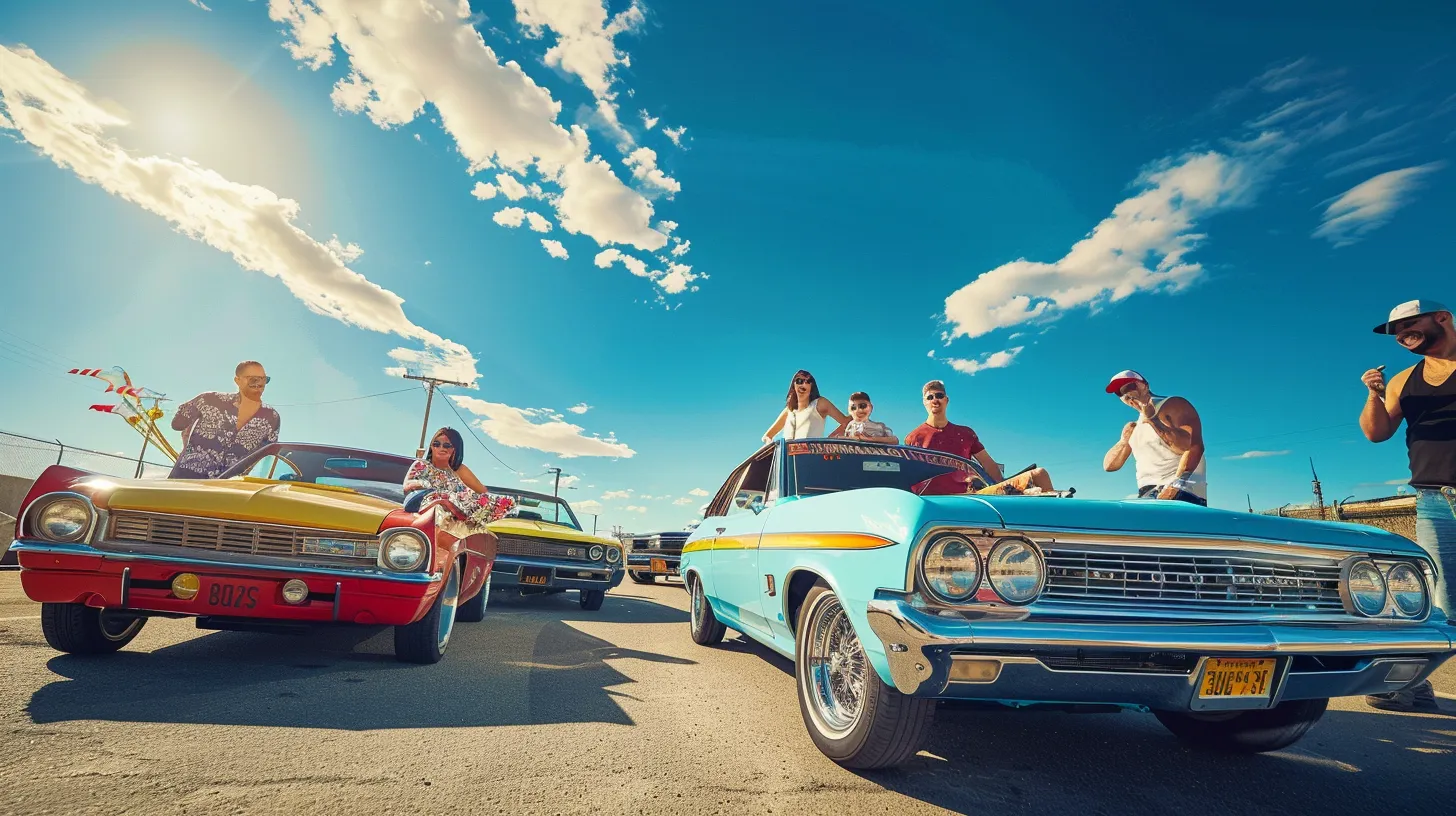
<point>1234,629</point>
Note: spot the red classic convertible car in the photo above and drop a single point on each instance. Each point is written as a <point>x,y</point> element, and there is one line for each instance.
<point>293,535</point>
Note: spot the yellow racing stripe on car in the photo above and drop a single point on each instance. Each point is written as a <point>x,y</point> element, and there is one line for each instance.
<point>790,541</point>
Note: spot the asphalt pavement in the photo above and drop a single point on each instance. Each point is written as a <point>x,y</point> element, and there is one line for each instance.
<point>546,709</point>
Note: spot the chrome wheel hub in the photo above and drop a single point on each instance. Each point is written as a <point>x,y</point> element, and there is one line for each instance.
<point>447,608</point>
<point>836,670</point>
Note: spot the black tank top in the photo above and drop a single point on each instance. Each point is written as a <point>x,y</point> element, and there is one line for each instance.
<point>1430,428</point>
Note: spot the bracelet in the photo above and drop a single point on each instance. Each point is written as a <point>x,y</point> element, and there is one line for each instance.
<point>1178,484</point>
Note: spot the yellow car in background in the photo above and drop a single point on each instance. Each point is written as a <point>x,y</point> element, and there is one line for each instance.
<point>542,549</point>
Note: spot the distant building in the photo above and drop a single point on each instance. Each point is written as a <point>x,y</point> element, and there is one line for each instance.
<point>1394,513</point>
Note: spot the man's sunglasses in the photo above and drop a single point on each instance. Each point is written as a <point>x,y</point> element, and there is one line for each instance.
<point>257,381</point>
<point>930,395</point>
<point>858,405</point>
<point>442,445</point>
<point>803,381</point>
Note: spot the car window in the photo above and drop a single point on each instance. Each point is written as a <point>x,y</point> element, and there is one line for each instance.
<point>829,467</point>
<point>547,509</point>
<point>754,486</point>
<point>724,497</point>
<point>273,467</point>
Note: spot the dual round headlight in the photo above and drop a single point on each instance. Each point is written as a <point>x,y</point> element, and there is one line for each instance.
<point>613,555</point>
<point>1402,586</point>
<point>952,569</point>
<point>403,549</point>
<point>595,553</point>
<point>64,519</point>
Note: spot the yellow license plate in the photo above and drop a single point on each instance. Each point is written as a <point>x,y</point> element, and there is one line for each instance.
<point>1236,677</point>
<point>659,565</point>
<point>537,577</point>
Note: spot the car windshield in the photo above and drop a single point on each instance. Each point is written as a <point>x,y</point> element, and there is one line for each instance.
<point>375,474</point>
<point>829,467</point>
<point>539,508</point>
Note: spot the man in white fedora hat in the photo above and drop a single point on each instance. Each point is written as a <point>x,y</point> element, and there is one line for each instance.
<point>1424,396</point>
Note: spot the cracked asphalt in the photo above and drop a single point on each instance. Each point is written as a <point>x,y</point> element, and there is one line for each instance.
<point>546,709</point>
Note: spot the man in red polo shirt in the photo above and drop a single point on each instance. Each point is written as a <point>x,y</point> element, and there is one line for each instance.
<point>940,434</point>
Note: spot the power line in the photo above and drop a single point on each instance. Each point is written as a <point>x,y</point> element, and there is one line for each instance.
<point>346,399</point>
<point>466,423</point>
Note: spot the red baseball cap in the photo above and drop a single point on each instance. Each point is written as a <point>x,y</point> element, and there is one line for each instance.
<point>1124,377</point>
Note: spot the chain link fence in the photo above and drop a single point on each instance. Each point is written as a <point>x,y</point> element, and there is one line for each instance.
<point>26,457</point>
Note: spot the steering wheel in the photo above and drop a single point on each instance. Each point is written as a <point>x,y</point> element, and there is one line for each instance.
<point>295,476</point>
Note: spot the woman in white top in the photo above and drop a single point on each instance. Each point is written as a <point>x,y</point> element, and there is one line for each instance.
<point>804,411</point>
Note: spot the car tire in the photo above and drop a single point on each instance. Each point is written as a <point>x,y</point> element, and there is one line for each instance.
<point>1247,732</point>
<point>425,640</point>
<point>877,728</point>
<point>641,577</point>
<point>473,610</point>
<point>591,599</point>
<point>706,629</point>
<point>80,629</point>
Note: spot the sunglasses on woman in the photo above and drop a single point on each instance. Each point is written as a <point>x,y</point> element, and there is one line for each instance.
<point>858,405</point>
<point>442,445</point>
<point>254,382</point>
<point>803,380</point>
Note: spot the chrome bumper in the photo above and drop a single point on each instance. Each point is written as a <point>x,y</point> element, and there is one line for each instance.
<point>210,560</point>
<point>920,649</point>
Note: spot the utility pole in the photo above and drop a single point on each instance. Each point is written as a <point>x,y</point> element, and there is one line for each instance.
<point>1319,496</point>
<point>430,384</point>
<point>1250,500</point>
<point>556,491</point>
<point>594,523</point>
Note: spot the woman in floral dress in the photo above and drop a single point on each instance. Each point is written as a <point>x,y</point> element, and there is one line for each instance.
<point>444,474</point>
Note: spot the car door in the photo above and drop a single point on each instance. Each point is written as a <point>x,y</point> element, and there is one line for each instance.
<point>735,544</point>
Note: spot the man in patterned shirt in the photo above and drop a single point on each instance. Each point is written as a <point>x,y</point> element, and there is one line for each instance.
<point>220,429</point>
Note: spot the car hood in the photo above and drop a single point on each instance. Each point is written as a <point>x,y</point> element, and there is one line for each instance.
<point>296,504</point>
<point>1181,518</point>
<point>544,529</point>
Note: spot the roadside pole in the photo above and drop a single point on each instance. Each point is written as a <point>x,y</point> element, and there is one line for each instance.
<point>431,383</point>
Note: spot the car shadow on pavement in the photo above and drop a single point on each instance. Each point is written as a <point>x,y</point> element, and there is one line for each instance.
<point>979,760</point>
<point>519,666</point>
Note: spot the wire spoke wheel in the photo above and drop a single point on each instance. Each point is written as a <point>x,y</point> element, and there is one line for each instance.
<point>447,610</point>
<point>837,669</point>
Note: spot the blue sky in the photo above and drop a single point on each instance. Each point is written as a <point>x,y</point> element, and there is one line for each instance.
<point>881,198</point>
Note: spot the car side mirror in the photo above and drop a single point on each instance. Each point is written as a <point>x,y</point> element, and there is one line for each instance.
<point>756,505</point>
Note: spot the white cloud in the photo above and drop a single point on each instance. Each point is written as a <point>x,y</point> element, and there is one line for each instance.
<point>483,190</point>
<point>1370,204</point>
<point>666,227</point>
<point>517,428</point>
<point>510,217</point>
<point>698,491</point>
<point>1142,246</point>
<point>643,163</point>
<point>675,134</point>
<point>607,257</point>
<point>616,494</point>
<point>404,55</point>
<point>511,187</point>
<point>677,278</point>
<point>1258,454</point>
<point>346,253</point>
<point>568,481</point>
<point>584,37</point>
<point>579,408</point>
<point>530,481</point>
<point>647,119</point>
<point>681,249</point>
<point>538,222</point>
<point>554,248</point>
<point>590,507</point>
<point>684,501</point>
<point>199,4</point>
<point>632,508</point>
<point>252,224</point>
<point>998,359</point>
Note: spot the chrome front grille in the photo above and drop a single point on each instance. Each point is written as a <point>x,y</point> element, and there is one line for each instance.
<point>541,548</point>
<point>221,535</point>
<point>1189,581</point>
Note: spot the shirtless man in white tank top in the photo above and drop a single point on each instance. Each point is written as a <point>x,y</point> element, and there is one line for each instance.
<point>1166,441</point>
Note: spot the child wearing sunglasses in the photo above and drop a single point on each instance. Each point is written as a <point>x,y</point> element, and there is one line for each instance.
<point>861,427</point>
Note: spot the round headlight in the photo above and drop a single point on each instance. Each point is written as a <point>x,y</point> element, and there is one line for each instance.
<point>1366,587</point>
<point>403,550</point>
<point>1014,569</point>
<point>1407,590</point>
<point>595,553</point>
<point>613,555</point>
<point>952,568</point>
<point>295,591</point>
<point>64,519</point>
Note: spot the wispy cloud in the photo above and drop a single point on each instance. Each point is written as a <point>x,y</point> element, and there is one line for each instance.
<point>579,408</point>
<point>539,429</point>
<point>684,501</point>
<point>1370,204</point>
<point>996,359</point>
<point>554,248</point>
<point>403,56</point>
<point>1258,454</point>
<point>698,491</point>
<point>253,224</point>
<point>199,4</point>
<point>616,494</point>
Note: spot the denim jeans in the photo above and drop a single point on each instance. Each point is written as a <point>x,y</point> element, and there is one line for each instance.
<point>1436,533</point>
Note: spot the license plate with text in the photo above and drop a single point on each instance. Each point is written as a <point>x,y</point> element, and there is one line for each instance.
<point>659,565</point>
<point>536,577</point>
<point>232,596</point>
<point>1236,677</point>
